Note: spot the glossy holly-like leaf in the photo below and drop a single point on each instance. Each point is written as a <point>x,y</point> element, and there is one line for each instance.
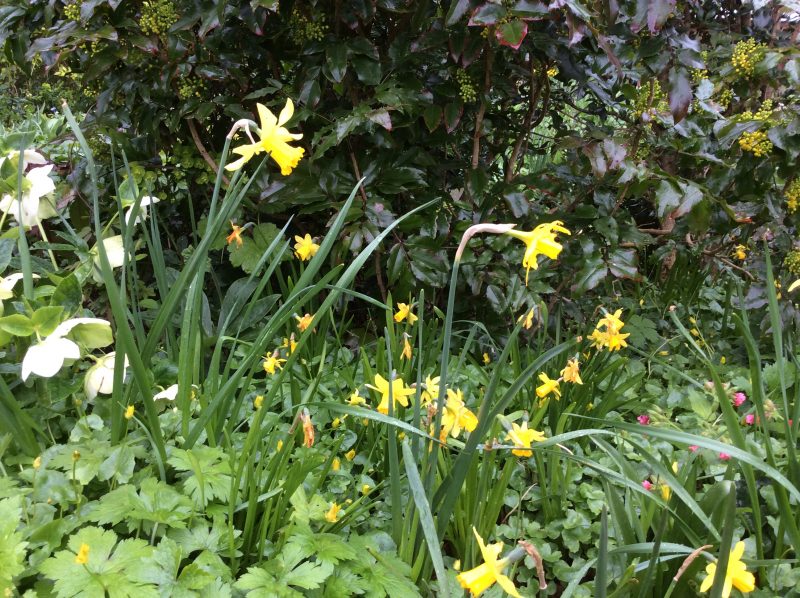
<point>512,33</point>
<point>680,93</point>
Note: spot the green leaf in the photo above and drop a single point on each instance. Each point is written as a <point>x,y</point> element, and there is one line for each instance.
<point>68,294</point>
<point>432,115</point>
<point>17,325</point>
<point>680,93</point>
<point>6,250</point>
<point>336,59</point>
<point>45,319</point>
<point>253,247</point>
<point>211,473</point>
<point>12,548</point>
<point>512,33</point>
<point>92,336</point>
<point>452,115</point>
<point>163,569</point>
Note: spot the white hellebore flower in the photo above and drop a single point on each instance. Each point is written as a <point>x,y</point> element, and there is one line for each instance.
<point>115,251</point>
<point>100,377</point>
<point>31,209</point>
<point>168,394</point>
<point>7,284</point>
<point>142,212</point>
<point>47,357</point>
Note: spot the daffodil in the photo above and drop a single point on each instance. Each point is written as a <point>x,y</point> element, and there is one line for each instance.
<point>99,378</point>
<point>332,516</point>
<point>305,248</point>
<point>406,354</point>
<point>456,416</point>
<point>400,392</point>
<point>607,332</point>
<point>167,394</point>
<point>612,322</point>
<point>431,392</point>
<point>486,359</point>
<point>740,252</point>
<point>304,322</point>
<point>308,429</point>
<point>272,363</point>
<point>273,138</point>
<point>47,357</point>
<point>290,343</point>
<point>129,412</point>
<point>235,236</point>
<point>571,373</point>
<point>736,576</point>
<point>527,319</point>
<point>547,386</point>
<point>522,438</point>
<point>350,455</point>
<point>141,213</point>
<point>488,573</point>
<point>403,312</point>
<point>356,399</point>
<point>541,240</point>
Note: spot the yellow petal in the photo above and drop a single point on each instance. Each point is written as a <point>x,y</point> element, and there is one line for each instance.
<point>286,114</point>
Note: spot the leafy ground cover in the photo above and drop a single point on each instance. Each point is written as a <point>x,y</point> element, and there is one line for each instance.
<point>390,299</point>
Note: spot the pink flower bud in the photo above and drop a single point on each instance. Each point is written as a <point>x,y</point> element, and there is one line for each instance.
<point>647,485</point>
<point>739,398</point>
<point>724,457</point>
<point>693,448</point>
<point>643,419</point>
<point>749,419</point>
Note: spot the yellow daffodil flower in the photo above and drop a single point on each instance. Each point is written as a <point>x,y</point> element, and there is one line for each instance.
<point>406,354</point>
<point>541,240</point>
<point>456,416</point>
<point>273,140</point>
<point>403,312</point>
<point>740,253</point>
<point>289,343</point>
<point>610,338</point>
<point>129,412</point>
<point>332,516</point>
<point>571,373</point>
<point>400,392</point>
<point>356,399</point>
<point>528,320</point>
<point>485,575</point>
<point>272,363</point>
<point>431,392</point>
<point>336,464</point>
<point>486,359</point>
<point>83,555</point>
<point>236,235</point>
<point>547,386</point>
<point>308,429</point>
<point>258,401</point>
<point>736,575</point>
<point>305,248</point>
<point>350,455</point>
<point>522,437</point>
<point>612,322</point>
<point>304,322</point>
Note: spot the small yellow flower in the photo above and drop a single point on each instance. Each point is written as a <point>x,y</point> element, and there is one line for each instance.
<point>336,464</point>
<point>279,446</point>
<point>308,429</point>
<point>289,343</point>
<point>528,317</point>
<point>365,489</point>
<point>37,462</point>
<point>665,490</point>
<point>332,516</point>
<point>695,332</point>
<point>406,354</point>
<point>722,360</point>
<point>403,312</point>
<point>258,401</point>
<point>304,322</point>
<point>305,248</point>
<point>83,555</point>
<point>485,575</point>
<point>236,235</point>
<point>541,240</point>
<point>571,373</point>
<point>273,140</point>
<point>736,576</point>
<point>356,399</point>
<point>740,252</point>
<point>350,455</point>
<point>612,322</point>
<point>336,423</point>
<point>547,386</point>
<point>400,392</point>
<point>522,437</point>
<point>272,363</point>
<point>431,392</point>
<point>129,412</point>
<point>456,416</point>
<point>486,359</point>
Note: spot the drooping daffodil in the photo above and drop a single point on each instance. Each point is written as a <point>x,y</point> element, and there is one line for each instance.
<point>46,358</point>
<point>485,575</point>
<point>100,377</point>
<point>541,240</point>
<point>273,138</point>
<point>456,416</point>
<point>115,251</point>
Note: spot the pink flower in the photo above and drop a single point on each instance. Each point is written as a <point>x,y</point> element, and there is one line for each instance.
<point>693,448</point>
<point>739,398</point>
<point>643,419</point>
<point>647,485</point>
<point>724,457</point>
<point>749,419</point>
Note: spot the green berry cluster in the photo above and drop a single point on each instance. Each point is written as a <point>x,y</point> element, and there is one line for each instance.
<point>659,103</point>
<point>157,16</point>
<point>792,262</point>
<point>305,29</point>
<point>755,142</point>
<point>72,11</point>
<point>725,98</point>
<point>191,87</point>
<point>746,55</point>
<point>793,196</point>
<point>466,87</point>
<point>764,113</point>
<point>699,74</point>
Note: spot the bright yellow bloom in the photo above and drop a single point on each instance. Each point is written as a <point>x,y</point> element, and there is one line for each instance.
<point>350,455</point>
<point>486,359</point>
<point>541,239</point>
<point>400,392</point>
<point>289,343</point>
<point>431,392</point>
<point>613,341</point>
<point>336,464</point>
<point>308,429</point>
<point>258,401</point>
<point>332,516</point>
<point>403,312</point>
<point>129,412</point>
<point>305,248</point>
<point>406,354</point>
<point>571,373</point>
<point>522,437</point>
<point>304,322</point>
<point>483,576</point>
<point>236,235</point>
<point>83,555</point>
<point>547,387</point>
<point>740,253</point>
<point>279,446</point>
<point>612,322</point>
<point>456,416</point>
<point>356,399</point>
<point>736,576</point>
<point>665,490</point>
<point>528,317</point>
<point>273,362</point>
<point>273,140</point>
